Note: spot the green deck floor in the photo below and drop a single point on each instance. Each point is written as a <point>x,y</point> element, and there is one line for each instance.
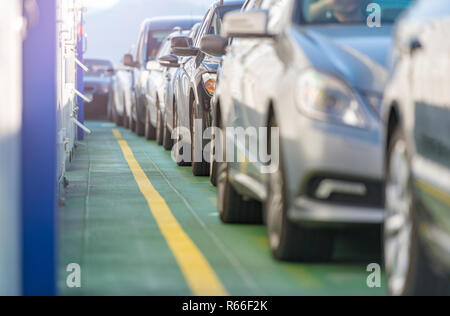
<point>107,228</point>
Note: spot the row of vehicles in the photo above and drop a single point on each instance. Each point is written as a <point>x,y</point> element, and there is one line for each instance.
<point>354,100</point>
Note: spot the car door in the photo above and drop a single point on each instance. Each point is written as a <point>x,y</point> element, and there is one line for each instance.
<point>430,113</point>
<point>155,80</point>
<point>187,69</point>
<point>141,72</point>
<point>232,81</point>
<point>262,71</point>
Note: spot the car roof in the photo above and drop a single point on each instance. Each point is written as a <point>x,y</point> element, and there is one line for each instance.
<point>170,22</point>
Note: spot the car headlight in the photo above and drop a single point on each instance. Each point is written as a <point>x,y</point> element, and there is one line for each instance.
<point>209,82</point>
<point>323,97</point>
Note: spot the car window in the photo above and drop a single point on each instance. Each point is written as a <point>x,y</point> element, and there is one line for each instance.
<point>165,49</point>
<point>202,29</point>
<point>154,41</point>
<point>139,48</point>
<point>349,11</point>
<point>216,24</point>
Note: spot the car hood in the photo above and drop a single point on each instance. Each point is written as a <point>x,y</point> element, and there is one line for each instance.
<point>358,54</point>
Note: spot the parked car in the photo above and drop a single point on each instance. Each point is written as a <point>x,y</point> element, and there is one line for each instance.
<point>217,45</point>
<point>160,75</point>
<point>152,33</point>
<point>123,95</point>
<point>316,74</point>
<point>195,84</point>
<point>171,64</point>
<point>98,86</point>
<point>416,117</point>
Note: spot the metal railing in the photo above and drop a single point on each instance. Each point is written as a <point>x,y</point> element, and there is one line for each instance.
<point>70,26</point>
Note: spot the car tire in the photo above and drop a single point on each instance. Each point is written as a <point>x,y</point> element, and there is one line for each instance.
<point>110,106</point>
<point>408,269</point>
<point>159,127</point>
<point>214,165</point>
<point>118,120</point>
<point>139,128</point>
<point>288,241</point>
<point>199,168</point>
<point>126,118</point>
<point>149,130</point>
<point>177,146</point>
<point>132,124</point>
<point>167,137</point>
<point>233,208</point>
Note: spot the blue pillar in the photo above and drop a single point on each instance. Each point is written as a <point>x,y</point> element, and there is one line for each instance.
<point>80,84</point>
<point>39,155</point>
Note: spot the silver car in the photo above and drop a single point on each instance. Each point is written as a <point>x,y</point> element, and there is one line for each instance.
<point>416,129</point>
<point>316,70</point>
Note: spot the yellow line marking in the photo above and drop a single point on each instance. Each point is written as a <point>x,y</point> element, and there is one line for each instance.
<point>433,191</point>
<point>117,134</point>
<point>199,275</point>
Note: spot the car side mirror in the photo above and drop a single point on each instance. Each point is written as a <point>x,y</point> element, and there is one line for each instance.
<point>183,46</point>
<point>128,60</point>
<point>185,52</point>
<point>214,45</point>
<point>247,24</point>
<point>169,61</point>
<point>111,71</point>
<point>181,41</point>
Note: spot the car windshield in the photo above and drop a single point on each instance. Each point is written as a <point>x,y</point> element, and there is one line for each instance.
<point>154,42</point>
<point>98,68</point>
<point>351,11</point>
<point>216,26</point>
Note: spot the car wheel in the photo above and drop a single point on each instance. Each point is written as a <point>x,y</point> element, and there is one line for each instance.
<point>233,208</point>
<point>288,241</point>
<point>167,137</point>
<point>213,165</point>
<point>139,126</point>
<point>159,127</point>
<point>407,267</point>
<point>132,124</point>
<point>109,109</point>
<point>178,148</point>
<point>126,118</point>
<point>200,168</point>
<point>149,130</point>
<point>117,118</point>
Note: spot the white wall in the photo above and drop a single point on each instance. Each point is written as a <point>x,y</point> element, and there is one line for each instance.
<point>10,126</point>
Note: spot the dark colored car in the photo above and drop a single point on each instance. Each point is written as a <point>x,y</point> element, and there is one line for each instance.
<point>153,32</point>
<point>98,83</point>
<point>416,115</point>
<point>195,84</point>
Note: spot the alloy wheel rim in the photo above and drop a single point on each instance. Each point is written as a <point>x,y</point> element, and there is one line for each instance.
<point>398,224</point>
